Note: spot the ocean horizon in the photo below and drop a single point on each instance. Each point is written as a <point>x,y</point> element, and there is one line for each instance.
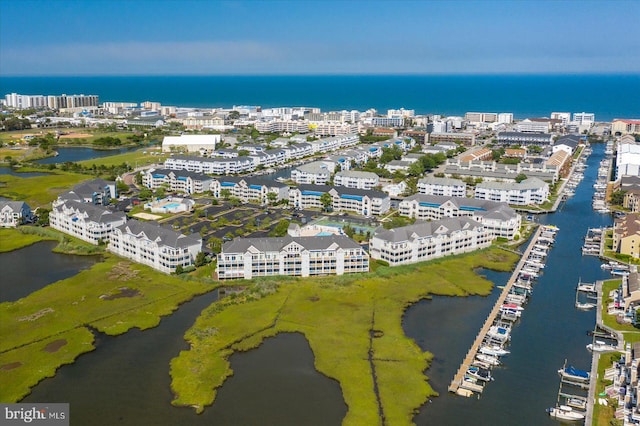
<point>609,96</point>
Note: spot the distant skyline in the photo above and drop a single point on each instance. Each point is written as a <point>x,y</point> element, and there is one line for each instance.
<point>167,37</point>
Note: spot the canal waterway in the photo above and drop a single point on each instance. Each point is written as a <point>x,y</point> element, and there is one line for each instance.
<point>126,380</point>
<point>73,154</point>
<point>36,266</point>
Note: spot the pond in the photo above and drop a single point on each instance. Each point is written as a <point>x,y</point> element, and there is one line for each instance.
<point>74,154</point>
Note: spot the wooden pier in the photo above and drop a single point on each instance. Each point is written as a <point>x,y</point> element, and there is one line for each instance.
<point>458,379</point>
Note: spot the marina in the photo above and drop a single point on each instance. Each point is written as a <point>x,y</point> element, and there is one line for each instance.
<point>496,331</point>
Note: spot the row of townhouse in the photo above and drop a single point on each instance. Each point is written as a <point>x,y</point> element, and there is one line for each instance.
<point>529,191</point>
<point>249,189</point>
<point>295,256</point>
<point>498,218</point>
<point>96,191</point>
<point>364,202</point>
<point>210,166</point>
<point>494,171</point>
<point>447,187</point>
<point>429,240</point>
<point>147,243</point>
<point>176,180</point>
<point>14,213</point>
<point>356,179</point>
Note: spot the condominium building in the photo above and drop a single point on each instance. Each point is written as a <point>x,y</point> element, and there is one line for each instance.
<point>498,218</point>
<point>212,166</point>
<point>14,213</point>
<point>481,117</point>
<point>295,256</point>
<point>72,101</point>
<point>621,127</point>
<point>523,138</point>
<point>14,100</point>
<point>363,202</point>
<point>447,187</point>
<point>91,223</point>
<point>176,180</point>
<point>317,172</point>
<point>626,235</point>
<point>533,126</point>
<point>152,245</point>
<point>249,189</point>
<point>468,139</point>
<point>429,240</point>
<point>564,117</point>
<point>96,191</point>
<point>493,171</point>
<point>584,118</point>
<point>356,179</point>
<point>332,128</point>
<point>280,126</point>
<point>627,159</point>
<point>529,191</point>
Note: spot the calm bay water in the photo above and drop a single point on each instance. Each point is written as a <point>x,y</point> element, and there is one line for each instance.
<point>10,171</point>
<point>608,96</point>
<point>36,266</point>
<point>73,154</point>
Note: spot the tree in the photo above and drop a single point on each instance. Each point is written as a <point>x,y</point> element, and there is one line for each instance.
<point>215,244</point>
<point>280,230</point>
<point>201,259</point>
<point>225,193</point>
<point>349,231</point>
<point>389,154</point>
<point>617,197</point>
<point>416,169</point>
<point>43,217</point>
<point>122,187</point>
<point>520,177</point>
<point>327,201</point>
<point>179,269</point>
<point>272,197</point>
<point>145,194</point>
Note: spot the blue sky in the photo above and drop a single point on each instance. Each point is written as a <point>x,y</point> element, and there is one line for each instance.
<point>182,37</point>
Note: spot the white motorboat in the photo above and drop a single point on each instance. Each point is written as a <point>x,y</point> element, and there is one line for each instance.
<point>479,373</point>
<point>600,346</point>
<point>574,374</point>
<point>585,306</point>
<point>488,359</point>
<point>494,350</point>
<point>564,412</point>
<point>501,334</point>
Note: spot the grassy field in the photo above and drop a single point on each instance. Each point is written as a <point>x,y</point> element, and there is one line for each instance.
<point>13,239</point>
<point>140,157</point>
<point>112,297</point>
<point>602,415</point>
<point>631,333</point>
<point>39,190</point>
<point>338,316</point>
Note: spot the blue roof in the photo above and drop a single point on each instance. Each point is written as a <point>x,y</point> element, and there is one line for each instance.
<point>255,186</point>
<point>351,197</point>
<point>316,193</point>
<point>227,184</point>
<point>472,209</point>
<point>425,204</point>
<point>373,149</point>
<point>159,176</point>
<point>182,178</point>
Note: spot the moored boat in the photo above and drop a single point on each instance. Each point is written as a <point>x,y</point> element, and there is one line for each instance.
<point>564,412</point>
<point>574,374</point>
<point>600,346</point>
<point>494,350</point>
<point>488,359</point>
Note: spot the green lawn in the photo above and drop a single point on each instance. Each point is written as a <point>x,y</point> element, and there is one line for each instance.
<point>134,158</point>
<point>602,415</point>
<point>39,190</point>
<point>12,239</point>
<point>63,310</point>
<point>336,315</point>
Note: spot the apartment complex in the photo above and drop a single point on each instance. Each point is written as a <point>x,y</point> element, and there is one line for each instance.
<point>498,218</point>
<point>190,143</point>
<point>363,202</point>
<point>529,191</point>
<point>524,138</point>
<point>176,180</point>
<point>96,191</point>
<point>356,179</point>
<point>447,187</point>
<point>429,240</point>
<point>626,235</point>
<point>88,222</point>
<point>14,213</point>
<point>152,245</point>
<point>295,256</point>
<point>249,189</point>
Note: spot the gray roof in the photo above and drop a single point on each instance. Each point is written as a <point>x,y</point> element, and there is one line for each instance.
<point>342,190</point>
<point>530,183</point>
<point>241,245</point>
<point>425,229</point>
<point>14,205</point>
<point>484,208</point>
<point>252,181</point>
<point>357,174</point>
<point>210,160</point>
<point>90,187</point>
<point>153,231</point>
<point>181,173</point>
<point>430,180</point>
<point>524,135</point>
<point>314,167</point>
<point>94,213</point>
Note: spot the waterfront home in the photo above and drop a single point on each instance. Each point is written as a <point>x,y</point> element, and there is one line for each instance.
<point>155,246</point>
<point>428,240</point>
<point>88,222</point>
<point>182,181</point>
<point>529,191</point>
<point>524,138</point>
<point>211,166</point>
<point>363,202</point>
<point>96,191</point>
<point>316,172</point>
<point>447,187</point>
<point>494,171</point>
<point>498,218</point>
<point>190,143</point>
<point>356,179</point>
<point>14,213</point>
<point>626,235</point>
<point>249,189</point>
<point>296,256</point>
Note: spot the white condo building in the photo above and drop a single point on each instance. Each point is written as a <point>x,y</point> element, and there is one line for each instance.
<point>152,245</point>
<point>190,143</point>
<point>14,213</point>
<point>295,256</point>
<point>447,187</point>
<point>627,160</point>
<point>210,166</point>
<point>317,172</point>
<point>176,180</point>
<point>249,189</point>
<point>429,240</point>
<point>88,222</point>
<point>498,218</point>
<point>360,201</point>
<point>529,191</point>
<point>356,179</point>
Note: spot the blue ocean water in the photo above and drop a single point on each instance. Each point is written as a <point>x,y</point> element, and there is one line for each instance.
<point>608,96</point>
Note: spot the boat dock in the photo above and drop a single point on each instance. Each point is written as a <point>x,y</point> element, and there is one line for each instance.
<point>459,383</point>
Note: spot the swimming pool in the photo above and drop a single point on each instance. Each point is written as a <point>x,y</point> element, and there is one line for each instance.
<point>171,206</point>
